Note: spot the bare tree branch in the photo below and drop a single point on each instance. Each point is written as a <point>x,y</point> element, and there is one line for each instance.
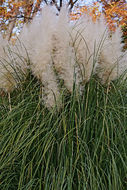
<point>61,3</point>
<point>55,3</point>
<point>72,3</point>
<point>46,2</point>
<point>12,25</point>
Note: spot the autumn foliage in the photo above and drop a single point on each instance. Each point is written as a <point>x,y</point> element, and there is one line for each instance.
<point>14,13</point>
<point>115,13</point>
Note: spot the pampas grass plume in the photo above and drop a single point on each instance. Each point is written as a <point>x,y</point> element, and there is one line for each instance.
<point>12,66</point>
<point>7,82</point>
<point>37,38</point>
<point>63,54</point>
<point>113,62</point>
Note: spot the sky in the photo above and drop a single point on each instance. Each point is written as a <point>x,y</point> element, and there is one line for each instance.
<point>89,1</point>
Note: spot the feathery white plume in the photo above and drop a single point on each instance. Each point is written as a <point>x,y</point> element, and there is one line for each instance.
<point>113,62</point>
<point>96,51</point>
<point>87,42</point>
<point>12,66</point>
<point>7,82</point>
<point>63,53</point>
<point>37,38</point>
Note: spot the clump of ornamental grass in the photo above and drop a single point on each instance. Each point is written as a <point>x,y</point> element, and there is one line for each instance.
<point>83,146</point>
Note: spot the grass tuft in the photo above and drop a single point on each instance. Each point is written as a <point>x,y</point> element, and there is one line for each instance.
<point>81,147</point>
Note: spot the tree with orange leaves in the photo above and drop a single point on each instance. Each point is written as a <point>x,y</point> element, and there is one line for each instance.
<point>114,11</point>
<point>14,13</point>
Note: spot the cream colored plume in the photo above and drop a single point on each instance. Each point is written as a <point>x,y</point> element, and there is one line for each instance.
<point>7,82</point>
<point>62,52</point>
<point>96,51</point>
<point>113,62</point>
<point>37,38</point>
<point>88,39</point>
<point>12,66</point>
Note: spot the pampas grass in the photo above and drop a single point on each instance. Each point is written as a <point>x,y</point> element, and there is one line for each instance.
<point>98,51</point>
<point>13,66</point>
<point>37,38</point>
<point>59,49</point>
<point>79,49</point>
<point>7,82</point>
<point>83,146</point>
<point>63,54</point>
<point>113,62</point>
<point>87,42</point>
